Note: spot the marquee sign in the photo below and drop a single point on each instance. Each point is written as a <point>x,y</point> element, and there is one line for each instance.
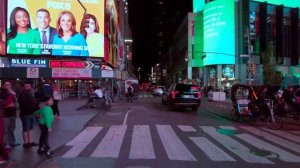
<point>71,64</point>
<point>71,73</point>
<point>20,62</point>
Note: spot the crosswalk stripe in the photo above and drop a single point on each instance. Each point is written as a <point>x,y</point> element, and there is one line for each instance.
<point>284,134</point>
<point>211,150</point>
<point>234,146</point>
<point>141,144</point>
<point>186,128</point>
<point>263,145</point>
<point>81,141</point>
<point>174,147</point>
<point>280,141</point>
<point>111,144</point>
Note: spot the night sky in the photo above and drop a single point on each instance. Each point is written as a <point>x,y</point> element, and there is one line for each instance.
<point>143,21</point>
<point>142,14</point>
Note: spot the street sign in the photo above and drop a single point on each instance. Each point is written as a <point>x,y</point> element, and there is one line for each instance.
<point>244,55</point>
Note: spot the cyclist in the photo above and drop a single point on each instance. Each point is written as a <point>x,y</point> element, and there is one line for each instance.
<point>129,91</point>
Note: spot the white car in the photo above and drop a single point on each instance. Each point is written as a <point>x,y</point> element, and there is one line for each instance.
<point>158,91</point>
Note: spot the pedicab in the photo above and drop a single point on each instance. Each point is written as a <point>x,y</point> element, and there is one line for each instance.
<point>254,102</point>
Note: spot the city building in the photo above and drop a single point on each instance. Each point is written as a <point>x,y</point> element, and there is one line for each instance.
<point>225,41</point>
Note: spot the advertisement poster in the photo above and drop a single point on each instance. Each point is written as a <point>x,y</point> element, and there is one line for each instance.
<point>71,73</point>
<point>32,72</point>
<point>111,21</point>
<point>2,27</point>
<point>56,27</point>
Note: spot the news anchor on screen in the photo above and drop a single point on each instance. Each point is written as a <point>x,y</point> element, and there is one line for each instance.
<point>21,39</point>
<point>72,42</point>
<point>90,29</point>
<point>46,31</point>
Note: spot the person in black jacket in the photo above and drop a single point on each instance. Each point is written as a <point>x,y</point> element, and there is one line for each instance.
<point>3,153</point>
<point>27,104</point>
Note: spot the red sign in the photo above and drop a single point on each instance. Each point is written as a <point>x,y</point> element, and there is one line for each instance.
<point>70,64</point>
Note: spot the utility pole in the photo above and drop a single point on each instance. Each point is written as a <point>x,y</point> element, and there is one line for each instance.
<point>250,62</point>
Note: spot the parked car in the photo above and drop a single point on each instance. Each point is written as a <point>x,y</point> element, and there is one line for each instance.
<point>182,95</point>
<point>158,91</point>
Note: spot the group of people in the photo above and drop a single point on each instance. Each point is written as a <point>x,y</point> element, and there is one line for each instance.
<point>64,40</point>
<point>30,110</point>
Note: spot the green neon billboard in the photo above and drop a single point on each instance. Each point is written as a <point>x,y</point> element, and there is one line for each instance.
<point>198,5</point>
<point>219,33</point>
<point>286,3</point>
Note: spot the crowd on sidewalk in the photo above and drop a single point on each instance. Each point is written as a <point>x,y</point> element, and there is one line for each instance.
<point>41,107</point>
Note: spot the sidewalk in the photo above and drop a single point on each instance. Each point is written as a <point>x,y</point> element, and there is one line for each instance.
<point>64,129</point>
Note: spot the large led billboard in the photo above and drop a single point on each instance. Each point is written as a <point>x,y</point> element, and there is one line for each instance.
<point>2,27</point>
<point>286,3</point>
<point>219,33</point>
<point>55,27</point>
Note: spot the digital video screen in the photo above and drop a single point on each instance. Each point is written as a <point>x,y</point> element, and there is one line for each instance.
<point>2,27</point>
<point>219,32</point>
<point>55,27</point>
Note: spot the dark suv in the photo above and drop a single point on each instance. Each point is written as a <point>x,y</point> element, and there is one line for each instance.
<point>182,95</point>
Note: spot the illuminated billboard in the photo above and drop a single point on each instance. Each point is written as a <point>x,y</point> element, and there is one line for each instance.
<point>219,33</point>
<point>2,27</point>
<point>112,32</point>
<point>286,3</point>
<point>58,28</point>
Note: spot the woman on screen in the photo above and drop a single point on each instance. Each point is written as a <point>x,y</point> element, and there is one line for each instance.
<point>21,39</point>
<point>68,42</point>
<point>90,29</point>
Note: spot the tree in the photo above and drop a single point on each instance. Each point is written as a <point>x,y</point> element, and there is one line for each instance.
<point>270,75</point>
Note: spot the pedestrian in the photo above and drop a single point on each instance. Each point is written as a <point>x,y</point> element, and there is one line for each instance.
<point>3,153</point>
<point>56,99</point>
<point>10,110</point>
<point>46,90</point>
<point>27,104</point>
<point>46,117</point>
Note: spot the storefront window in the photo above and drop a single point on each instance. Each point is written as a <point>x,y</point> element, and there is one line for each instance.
<point>271,27</point>
<point>286,32</point>
<point>254,27</point>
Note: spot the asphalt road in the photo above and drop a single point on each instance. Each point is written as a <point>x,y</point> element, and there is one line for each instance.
<point>146,135</point>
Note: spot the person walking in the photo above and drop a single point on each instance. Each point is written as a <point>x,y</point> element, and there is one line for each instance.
<point>3,153</point>
<point>10,116</point>
<point>46,117</point>
<point>28,106</point>
<point>56,99</point>
<point>46,90</point>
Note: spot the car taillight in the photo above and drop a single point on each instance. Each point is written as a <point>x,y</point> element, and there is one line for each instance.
<point>173,94</point>
<point>199,95</point>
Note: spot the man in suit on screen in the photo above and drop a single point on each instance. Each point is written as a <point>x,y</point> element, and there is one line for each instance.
<point>46,31</point>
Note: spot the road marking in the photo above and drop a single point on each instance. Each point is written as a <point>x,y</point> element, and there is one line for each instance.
<point>263,145</point>
<point>126,116</point>
<point>81,141</point>
<point>186,128</point>
<point>235,147</point>
<point>280,141</point>
<point>284,134</point>
<point>175,149</point>
<point>141,144</point>
<point>211,150</point>
<point>111,144</point>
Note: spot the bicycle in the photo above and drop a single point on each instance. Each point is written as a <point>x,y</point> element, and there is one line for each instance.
<point>133,98</point>
<point>272,119</point>
<point>107,103</point>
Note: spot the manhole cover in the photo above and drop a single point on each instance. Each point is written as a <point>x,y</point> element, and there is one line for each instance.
<point>227,131</point>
